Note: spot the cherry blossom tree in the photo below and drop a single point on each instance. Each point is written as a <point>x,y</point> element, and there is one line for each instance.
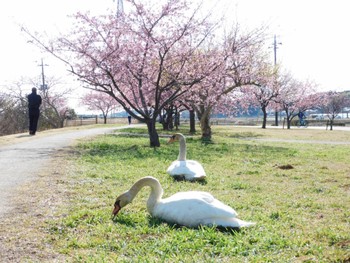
<point>332,105</point>
<point>295,96</point>
<point>239,59</point>
<point>263,92</point>
<point>100,101</point>
<point>171,114</point>
<point>144,59</point>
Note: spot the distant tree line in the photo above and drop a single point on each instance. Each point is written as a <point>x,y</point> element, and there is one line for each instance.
<point>14,107</point>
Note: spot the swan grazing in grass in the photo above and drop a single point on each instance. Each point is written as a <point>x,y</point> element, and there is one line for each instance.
<point>190,209</point>
<point>185,169</point>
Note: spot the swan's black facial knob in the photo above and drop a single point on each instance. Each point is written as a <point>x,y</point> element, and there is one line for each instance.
<point>172,139</point>
<point>116,209</point>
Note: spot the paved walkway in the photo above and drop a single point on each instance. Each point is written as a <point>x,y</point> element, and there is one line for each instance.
<point>21,160</point>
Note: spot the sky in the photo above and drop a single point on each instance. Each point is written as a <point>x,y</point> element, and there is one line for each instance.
<point>312,35</point>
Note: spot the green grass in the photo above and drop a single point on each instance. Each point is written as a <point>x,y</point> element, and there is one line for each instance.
<point>302,213</point>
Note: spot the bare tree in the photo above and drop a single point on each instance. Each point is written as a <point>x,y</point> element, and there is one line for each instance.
<point>54,109</point>
<point>14,106</point>
<point>11,116</point>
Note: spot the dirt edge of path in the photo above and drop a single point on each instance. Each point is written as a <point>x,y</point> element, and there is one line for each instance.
<point>24,235</point>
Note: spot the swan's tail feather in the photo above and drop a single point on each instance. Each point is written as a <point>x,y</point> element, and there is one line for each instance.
<point>242,223</point>
<point>230,222</point>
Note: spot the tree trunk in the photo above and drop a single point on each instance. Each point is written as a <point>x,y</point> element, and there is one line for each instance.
<point>205,126</point>
<point>264,117</point>
<point>62,122</point>
<point>163,121</point>
<point>167,120</point>
<point>170,119</point>
<point>164,124</point>
<point>289,117</point>
<point>177,120</point>
<point>192,122</point>
<point>276,118</point>
<point>152,132</point>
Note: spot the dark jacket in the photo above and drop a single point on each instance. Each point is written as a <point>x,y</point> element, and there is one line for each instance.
<point>34,100</point>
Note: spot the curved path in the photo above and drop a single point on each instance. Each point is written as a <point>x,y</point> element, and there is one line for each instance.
<point>21,159</point>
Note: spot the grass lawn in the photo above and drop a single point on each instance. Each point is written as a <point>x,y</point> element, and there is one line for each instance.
<point>297,192</point>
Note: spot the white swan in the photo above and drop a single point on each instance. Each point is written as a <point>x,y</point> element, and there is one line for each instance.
<point>185,169</point>
<point>190,209</point>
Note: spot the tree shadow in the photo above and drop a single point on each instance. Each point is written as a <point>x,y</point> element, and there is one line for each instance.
<point>244,135</point>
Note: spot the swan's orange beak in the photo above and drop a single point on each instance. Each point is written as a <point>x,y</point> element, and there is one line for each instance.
<point>116,209</point>
<point>172,139</point>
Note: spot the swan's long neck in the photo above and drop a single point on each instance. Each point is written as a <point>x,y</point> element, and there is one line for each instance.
<point>182,152</point>
<point>156,191</point>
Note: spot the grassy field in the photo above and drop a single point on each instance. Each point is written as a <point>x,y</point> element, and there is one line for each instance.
<point>297,192</point>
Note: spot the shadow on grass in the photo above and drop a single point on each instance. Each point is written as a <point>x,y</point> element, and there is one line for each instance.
<point>130,147</point>
<point>124,220</point>
<point>180,178</point>
<point>244,135</point>
<point>156,222</point>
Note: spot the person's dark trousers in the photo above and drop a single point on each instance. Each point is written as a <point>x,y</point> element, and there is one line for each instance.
<point>33,120</point>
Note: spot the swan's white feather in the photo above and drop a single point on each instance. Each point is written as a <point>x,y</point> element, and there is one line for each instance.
<point>196,208</point>
<point>185,169</point>
<point>191,209</point>
<point>189,169</point>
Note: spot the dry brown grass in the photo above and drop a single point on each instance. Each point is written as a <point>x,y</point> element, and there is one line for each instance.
<point>22,231</point>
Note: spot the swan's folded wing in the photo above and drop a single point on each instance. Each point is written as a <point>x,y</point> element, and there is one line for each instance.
<point>180,168</point>
<point>188,168</point>
<point>192,208</point>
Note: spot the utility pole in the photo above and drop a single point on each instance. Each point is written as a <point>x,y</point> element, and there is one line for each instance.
<point>43,86</point>
<point>275,63</point>
<point>120,8</point>
<point>275,49</point>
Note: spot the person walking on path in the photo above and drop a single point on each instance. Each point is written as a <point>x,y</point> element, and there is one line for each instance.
<point>301,116</point>
<point>34,102</point>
